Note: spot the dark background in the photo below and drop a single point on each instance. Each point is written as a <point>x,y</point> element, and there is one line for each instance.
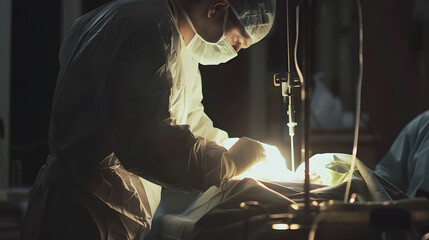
<point>395,85</point>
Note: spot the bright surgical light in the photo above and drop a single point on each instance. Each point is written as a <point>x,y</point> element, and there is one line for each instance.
<point>272,169</point>
<point>326,169</point>
<point>280,226</point>
<point>284,226</point>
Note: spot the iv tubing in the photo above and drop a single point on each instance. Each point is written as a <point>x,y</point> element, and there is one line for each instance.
<point>298,70</point>
<point>290,81</point>
<point>358,102</point>
<point>305,113</point>
<point>292,154</point>
<point>287,42</point>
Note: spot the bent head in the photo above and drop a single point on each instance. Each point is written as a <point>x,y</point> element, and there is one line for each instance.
<point>241,22</point>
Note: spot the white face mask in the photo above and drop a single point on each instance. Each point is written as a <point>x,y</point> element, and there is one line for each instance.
<point>207,53</point>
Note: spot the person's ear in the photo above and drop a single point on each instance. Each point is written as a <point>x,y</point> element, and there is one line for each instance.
<point>217,6</point>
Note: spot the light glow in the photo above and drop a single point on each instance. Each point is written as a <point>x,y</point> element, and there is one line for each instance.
<point>280,226</point>
<point>294,226</point>
<point>326,169</point>
<point>273,168</point>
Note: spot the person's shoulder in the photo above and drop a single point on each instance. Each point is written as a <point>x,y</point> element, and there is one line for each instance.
<point>117,14</point>
<point>142,12</point>
<point>147,20</point>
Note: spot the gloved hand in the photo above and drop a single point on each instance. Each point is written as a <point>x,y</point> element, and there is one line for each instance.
<point>240,157</point>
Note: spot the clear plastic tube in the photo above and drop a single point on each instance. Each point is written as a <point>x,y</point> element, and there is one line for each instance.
<point>295,53</point>
<point>358,102</point>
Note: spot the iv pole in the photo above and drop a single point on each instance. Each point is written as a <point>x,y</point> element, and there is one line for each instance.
<point>306,47</point>
<point>289,82</point>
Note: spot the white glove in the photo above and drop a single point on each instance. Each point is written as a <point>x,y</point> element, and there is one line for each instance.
<point>240,157</point>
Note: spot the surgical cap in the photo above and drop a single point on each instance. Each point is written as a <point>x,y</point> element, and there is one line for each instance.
<point>256,16</point>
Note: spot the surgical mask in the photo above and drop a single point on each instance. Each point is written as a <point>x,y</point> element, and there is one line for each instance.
<point>207,53</point>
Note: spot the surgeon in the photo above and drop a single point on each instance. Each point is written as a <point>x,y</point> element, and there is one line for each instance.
<point>127,116</point>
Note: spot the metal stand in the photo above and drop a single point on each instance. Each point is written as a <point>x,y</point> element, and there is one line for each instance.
<point>306,26</point>
<point>288,82</point>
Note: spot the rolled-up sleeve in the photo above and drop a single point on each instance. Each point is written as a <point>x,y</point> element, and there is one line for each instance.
<point>201,125</point>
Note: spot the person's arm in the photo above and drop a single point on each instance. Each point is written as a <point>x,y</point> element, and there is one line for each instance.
<point>136,111</point>
<point>201,125</point>
<point>406,163</point>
